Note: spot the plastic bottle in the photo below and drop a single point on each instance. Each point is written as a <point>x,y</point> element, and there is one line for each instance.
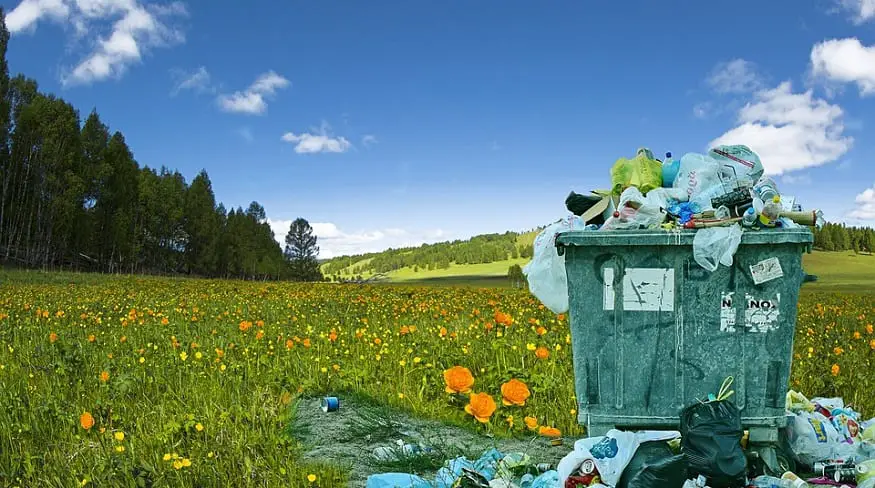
<point>750,217</point>
<point>766,189</point>
<point>795,481</point>
<point>670,169</point>
<point>771,212</point>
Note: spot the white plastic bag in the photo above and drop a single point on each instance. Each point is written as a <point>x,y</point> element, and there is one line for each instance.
<point>650,212</point>
<point>611,453</point>
<point>812,437</point>
<point>699,177</point>
<point>546,271</point>
<point>716,245</point>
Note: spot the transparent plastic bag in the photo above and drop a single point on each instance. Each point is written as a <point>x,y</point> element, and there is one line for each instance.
<point>545,273</point>
<point>636,211</point>
<point>699,178</point>
<point>716,245</point>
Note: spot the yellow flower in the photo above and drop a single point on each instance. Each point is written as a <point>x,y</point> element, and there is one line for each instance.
<point>835,369</point>
<point>198,427</point>
<point>530,346</point>
<point>119,436</point>
<point>183,355</point>
<point>166,457</point>
<point>120,448</point>
<point>311,478</point>
<point>531,422</point>
<point>198,355</point>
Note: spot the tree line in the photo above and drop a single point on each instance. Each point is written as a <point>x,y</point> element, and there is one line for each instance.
<point>486,248</point>
<point>74,197</point>
<point>838,237</point>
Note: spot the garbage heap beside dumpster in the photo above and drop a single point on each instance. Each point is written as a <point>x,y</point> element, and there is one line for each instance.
<point>681,282</point>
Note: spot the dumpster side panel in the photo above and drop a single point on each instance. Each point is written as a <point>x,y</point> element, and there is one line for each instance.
<point>652,331</point>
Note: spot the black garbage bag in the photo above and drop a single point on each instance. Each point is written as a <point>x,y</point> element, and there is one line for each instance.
<point>578,205</point>
<point>654,466</point>
<point>711,443</point>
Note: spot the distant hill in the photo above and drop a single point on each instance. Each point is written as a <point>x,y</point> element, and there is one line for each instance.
<point>486,255</point>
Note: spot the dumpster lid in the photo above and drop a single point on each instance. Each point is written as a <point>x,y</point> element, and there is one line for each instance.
<point>676,238</point>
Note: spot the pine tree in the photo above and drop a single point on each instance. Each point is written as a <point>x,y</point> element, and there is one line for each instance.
<point>301,252</point>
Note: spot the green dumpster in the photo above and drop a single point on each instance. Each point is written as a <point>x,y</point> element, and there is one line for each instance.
<point>652,331</point>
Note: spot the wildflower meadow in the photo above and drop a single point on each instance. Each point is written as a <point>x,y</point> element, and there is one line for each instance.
<point>136,381</point>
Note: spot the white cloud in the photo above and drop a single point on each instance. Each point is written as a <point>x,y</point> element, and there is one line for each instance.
<point>865,205</point>
<point>135,28</point>
<point>320,142</point>
<point>333,241</point>
<point>736,76</point>
<point>789,131</point>
<point>368,140</point>
<point>198,81</point>
<point>862,10</point>
<point>252,100</point>
<point>845,61</point>
<point>246,134</point>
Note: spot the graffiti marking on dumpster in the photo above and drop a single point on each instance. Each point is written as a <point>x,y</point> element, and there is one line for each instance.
<point>765,271</point>
<point>761,315</point>
<point>644,289</point>
<point>727,312</point>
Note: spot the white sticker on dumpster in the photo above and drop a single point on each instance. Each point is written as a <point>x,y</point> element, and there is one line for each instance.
<point>644,289</point>
<point>761,315</point>
<point>765,271</point>
<point>727,312</point>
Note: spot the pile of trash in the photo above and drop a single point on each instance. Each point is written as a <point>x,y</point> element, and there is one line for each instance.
<point>719,195</point>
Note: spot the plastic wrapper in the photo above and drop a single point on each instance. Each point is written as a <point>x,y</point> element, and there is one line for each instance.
<point>716,245</point>
<point>797,402</point>
<point>812,437</point>
<point>546,274</point>
<point>396,480</point>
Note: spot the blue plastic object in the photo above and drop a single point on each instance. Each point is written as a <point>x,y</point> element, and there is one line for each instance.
<point>670,169</point>
<point>549,479</point>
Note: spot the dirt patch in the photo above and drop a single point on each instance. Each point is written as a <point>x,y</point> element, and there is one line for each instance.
<point>349,437</point>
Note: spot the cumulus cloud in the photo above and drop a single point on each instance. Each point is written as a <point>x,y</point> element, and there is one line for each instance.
<point>790,131</point>
<point>197,81</point>
<point>736,76</point>
<point>253,100</point>
<point>335,242</point>
<point>845,61</point>
<point>134,29</point>
<point>320,142</point>
<point>865,205</point>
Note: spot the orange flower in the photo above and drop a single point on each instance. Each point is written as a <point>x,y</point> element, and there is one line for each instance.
<point>405,330</point>
<point>378,341</point>
<point>542,352</point>
<point>872,344</point>
<point>104,376</point>
<point>458,380</point>
<point>306,342</point>
<point>541,330</point>
<point>91,338</point>
<point>503,318</point>
<point>514,392</point>
<point>259,334</point>
<point>332,336</point>
<point>561,317</point>
<point>489,325</point>
<point>259,323</point>
<point>290,343</point>
<point>838,351</point>
<point>835,369</point>
<point>549,432</point>
<point>53,337</point>
<point>869,328</point>
<point>164,321</point>
<point>443,332</point>
<point>531,422</point>
<point>245,325</point>
<point>86,421</point>
<point>857,334</point>
<point>481,406</point>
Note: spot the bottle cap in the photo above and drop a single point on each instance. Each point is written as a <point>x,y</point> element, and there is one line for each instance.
<point>668,154</point>
<point>776,199</point>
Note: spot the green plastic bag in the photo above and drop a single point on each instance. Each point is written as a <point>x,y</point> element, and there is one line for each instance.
<point>643,172</point>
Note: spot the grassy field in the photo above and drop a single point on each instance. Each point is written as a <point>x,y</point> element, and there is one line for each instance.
<point>174,382</point>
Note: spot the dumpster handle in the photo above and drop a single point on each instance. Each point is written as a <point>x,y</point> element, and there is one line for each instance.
<point>560,248</point>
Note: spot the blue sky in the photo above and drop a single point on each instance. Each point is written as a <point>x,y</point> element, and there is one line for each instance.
<point>396,123</point>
